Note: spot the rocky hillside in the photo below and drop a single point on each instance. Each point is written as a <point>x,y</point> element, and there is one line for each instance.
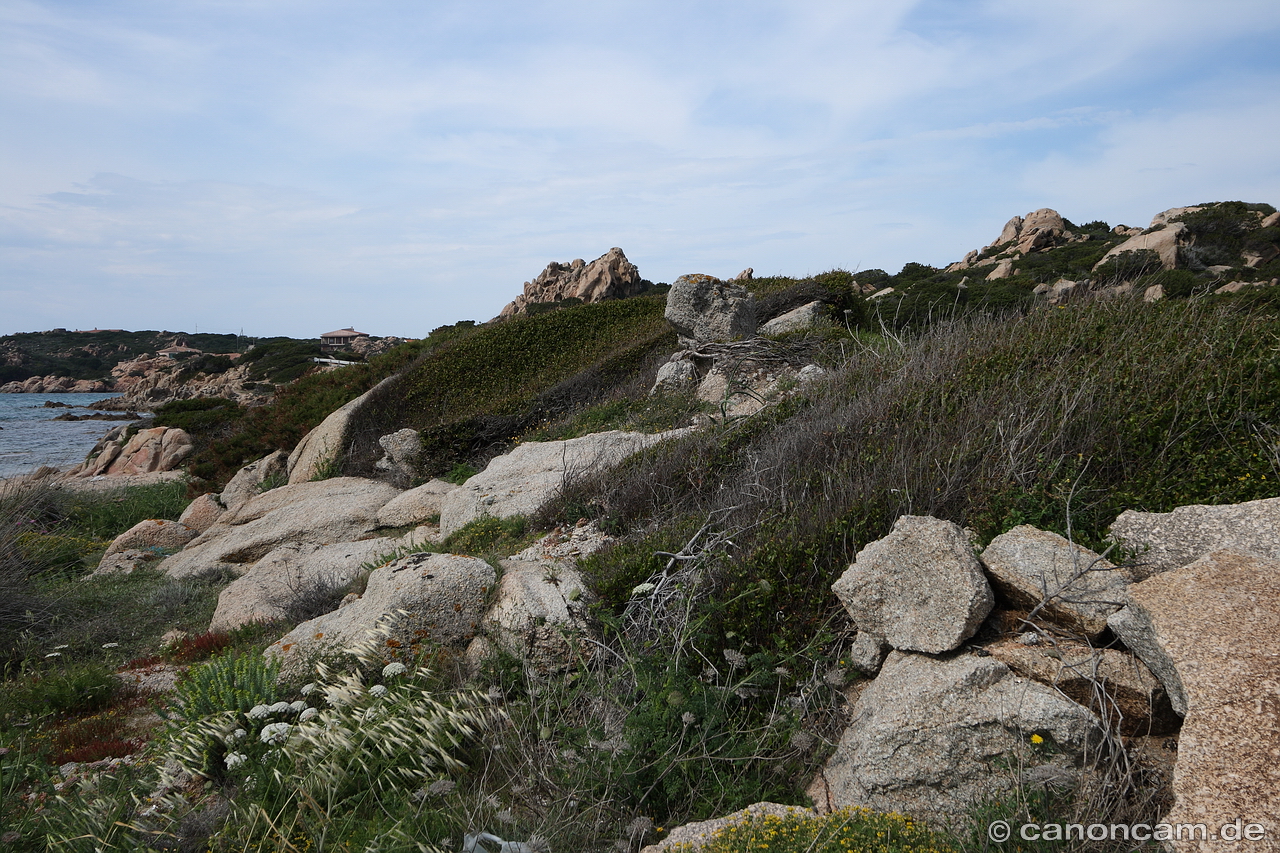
<point>989,542</point>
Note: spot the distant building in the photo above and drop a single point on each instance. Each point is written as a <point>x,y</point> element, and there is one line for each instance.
<point>340,339</point>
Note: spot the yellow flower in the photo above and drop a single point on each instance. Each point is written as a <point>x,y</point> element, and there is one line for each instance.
<point>1037,739</point>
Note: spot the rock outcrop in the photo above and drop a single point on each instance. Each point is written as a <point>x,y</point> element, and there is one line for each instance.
<point>1040,230</point>
<point>702,308</point>
<point>254,478</point>
<point>523,481</point>
<point>292,577</point>
<point>342,509</point>
<point>1215,622</point>
<point>805,317</point>
<point>1070,584</point>
<point>146,451</point>
<point>321,451</point>
<point>920,588</point>
<point>925,734</point>
<point>154,533</point>
<point>55,385</point>
<point>610,276</point>
<point>1165,243</point>
<point>1161,541</point>
<point>540,614</point>
<point>422,598</point>
<point>415,506</point>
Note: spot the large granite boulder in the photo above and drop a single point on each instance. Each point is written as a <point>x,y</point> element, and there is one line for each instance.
<point>1166,540</point>
<point>146,451</point>
<point>342,509</point>
<point>920,588</point>
<point>1214,623</point>
<point>421,598</point>
<point>1165,243</point>
<point>540,614</point>
<point>1079,589</point>
<point>296,576</point>
<point>202,513</point>
<point>805,317</point>
<point>928,736</point>
<point>415,505</point>
<point>152,534</point>
<point>703,308</point>
<point>523,481</point>
<point>610,276</point>
<point>250,480</point>
<point>322,449</point>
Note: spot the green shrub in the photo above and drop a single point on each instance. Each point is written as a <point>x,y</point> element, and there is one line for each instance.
<point>841,831</point>
<point>231,682</point>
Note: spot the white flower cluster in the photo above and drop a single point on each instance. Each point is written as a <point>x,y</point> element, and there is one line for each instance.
<point>235,759</point>
<point>274,734</point>
<point>393,669</point>
<point>642,589</point>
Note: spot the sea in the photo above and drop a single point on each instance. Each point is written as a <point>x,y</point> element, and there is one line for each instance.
<point>30,437</point>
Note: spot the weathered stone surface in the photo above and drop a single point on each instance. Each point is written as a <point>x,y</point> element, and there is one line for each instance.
<point>703,308</point>
<point>679,374</point>
<point>567,545</point>
<point>202,512</point>
<point>805,317</point>
<point>522,481</point>
<point>927,736</point>
<point>1030,566</point>
<point>610,276</point>
<point>271,589</point>
<point>415,505</point>
<point>442,597</point>
<point>700,832</point>
<point>1113,684</point>
<point>748,274</point>
<point>248,482</point>
<point>540,615</point>
<point>1167,540</point>
<point>325,445</point>
<point>1133,626</point>
<point>152,533</point>
<point>1003,269</point>
<point>147,451</point>
<point>867,652</point>
<point>342,509</point>
<point>920,587</point>
<point>122,562</point>
<point>1164,243</point>
<point>1217,620</point>
<point>402,449</point>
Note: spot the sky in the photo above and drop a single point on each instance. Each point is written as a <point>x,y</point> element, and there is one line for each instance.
<point>289,168</point>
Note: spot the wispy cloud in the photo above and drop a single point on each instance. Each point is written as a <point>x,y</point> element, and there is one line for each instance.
<point>287,166</point>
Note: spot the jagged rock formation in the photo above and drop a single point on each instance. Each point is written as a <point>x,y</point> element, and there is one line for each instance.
<point>1039,231</point>
<point>146,451</point>
<point>610,276</point>
<point>55,385</point>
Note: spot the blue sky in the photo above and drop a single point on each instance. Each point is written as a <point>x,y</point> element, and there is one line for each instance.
<point>294,167</point>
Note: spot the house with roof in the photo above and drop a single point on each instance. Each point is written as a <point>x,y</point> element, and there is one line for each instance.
<point>341,339</point>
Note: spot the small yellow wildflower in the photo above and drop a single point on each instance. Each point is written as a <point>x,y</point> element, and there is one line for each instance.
<point>1036,739</point>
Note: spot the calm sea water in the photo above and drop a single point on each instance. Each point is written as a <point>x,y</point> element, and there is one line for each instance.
<point>30,437</point>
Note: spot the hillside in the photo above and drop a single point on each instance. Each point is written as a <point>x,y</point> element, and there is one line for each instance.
<point>92,354</point>
<point>961,544</point>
